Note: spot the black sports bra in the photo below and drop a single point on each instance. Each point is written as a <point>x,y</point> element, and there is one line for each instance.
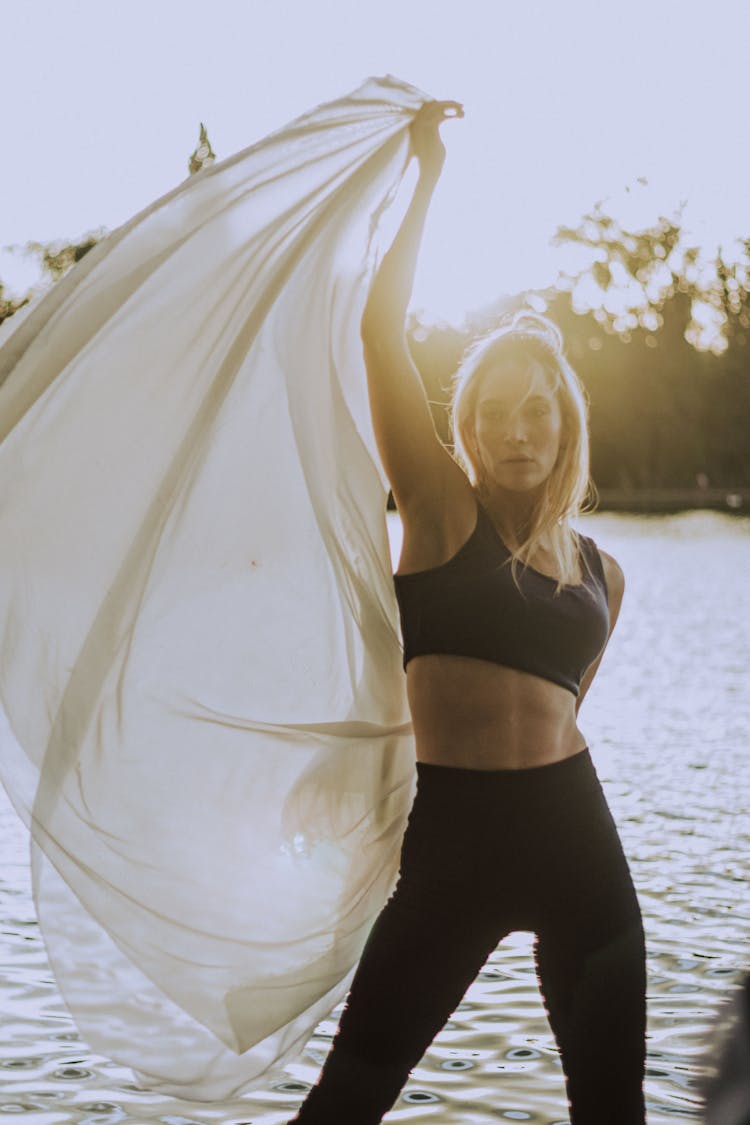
<point>470,606</point>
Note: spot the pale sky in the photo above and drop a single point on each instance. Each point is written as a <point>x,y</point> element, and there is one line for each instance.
<point>567,102</point>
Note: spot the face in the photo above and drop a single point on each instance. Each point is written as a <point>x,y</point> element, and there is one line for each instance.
<point>517,426</point>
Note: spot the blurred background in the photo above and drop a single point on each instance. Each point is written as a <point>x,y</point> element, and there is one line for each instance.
<point>601,176</point>
<point>600,173</point>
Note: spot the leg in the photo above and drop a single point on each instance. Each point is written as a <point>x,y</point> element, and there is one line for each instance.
<point>596,1002</point>
<point>422,953</point>
<point>591,963</point>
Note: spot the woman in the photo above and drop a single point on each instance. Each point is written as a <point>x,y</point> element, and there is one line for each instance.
<point>505,614</point>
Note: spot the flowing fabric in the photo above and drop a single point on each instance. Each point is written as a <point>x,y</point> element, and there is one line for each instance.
<point>199,662</point>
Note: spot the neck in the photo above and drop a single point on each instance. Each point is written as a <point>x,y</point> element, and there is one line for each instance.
<point>511,512</point>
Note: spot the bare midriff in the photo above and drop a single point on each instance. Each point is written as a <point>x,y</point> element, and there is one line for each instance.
<point>483,716</point>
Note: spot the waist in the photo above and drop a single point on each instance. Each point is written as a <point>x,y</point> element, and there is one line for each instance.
<point>537,779</point>
<point>482,716</point>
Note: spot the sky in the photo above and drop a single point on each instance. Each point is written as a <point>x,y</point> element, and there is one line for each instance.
<point>567,102</point>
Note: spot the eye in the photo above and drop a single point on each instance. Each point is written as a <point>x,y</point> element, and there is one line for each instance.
<point>539,410</point>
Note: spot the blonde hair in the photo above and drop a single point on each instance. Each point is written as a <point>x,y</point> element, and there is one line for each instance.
<point>529,338</point>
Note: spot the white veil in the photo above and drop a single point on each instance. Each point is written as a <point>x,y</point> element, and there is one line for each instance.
<point>199,658</point>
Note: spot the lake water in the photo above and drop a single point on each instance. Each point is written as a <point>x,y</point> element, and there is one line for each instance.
<point>668,723</point>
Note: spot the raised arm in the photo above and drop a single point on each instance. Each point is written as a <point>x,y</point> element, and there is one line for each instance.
<point>415,461</point>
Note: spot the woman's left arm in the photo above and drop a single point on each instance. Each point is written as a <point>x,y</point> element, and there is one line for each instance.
<point>615,589</point>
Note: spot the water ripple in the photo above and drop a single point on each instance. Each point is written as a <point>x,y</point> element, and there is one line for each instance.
<point>669,725</point>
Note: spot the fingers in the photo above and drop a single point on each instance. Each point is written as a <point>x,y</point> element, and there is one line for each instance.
<point>452,109</point>
<point>426,143</point>
<point>441,110</point>
<point>433,113</point>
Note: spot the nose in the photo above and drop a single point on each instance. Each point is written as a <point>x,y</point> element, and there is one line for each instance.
<point>515,429</point>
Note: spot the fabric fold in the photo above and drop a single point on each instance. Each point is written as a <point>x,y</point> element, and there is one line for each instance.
<point>200,665</point>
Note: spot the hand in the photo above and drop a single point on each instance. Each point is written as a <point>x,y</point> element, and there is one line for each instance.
<point>426,143</point>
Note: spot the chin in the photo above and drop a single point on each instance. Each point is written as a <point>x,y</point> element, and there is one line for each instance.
<point>533,491</point>
<point>520,480</point>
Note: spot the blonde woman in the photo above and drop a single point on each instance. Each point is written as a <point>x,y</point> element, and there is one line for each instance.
<point>505,613</point>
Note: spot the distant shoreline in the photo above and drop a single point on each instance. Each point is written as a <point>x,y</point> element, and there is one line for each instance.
<point>735,501</point>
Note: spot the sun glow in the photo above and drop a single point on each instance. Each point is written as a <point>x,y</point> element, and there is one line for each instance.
<point>561,111</point>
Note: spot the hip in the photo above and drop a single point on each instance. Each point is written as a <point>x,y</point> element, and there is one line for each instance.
<point>539,841</point>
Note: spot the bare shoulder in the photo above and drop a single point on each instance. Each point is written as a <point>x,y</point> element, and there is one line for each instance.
<point>613,572</point>
<point>615,577</point>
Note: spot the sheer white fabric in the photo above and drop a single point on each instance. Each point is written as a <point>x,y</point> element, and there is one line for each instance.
<point>199,660</point>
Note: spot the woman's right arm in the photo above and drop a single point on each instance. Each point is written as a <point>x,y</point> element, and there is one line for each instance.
<point>416,462</point>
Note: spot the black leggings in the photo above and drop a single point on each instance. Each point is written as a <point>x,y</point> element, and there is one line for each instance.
<point>487,852</point>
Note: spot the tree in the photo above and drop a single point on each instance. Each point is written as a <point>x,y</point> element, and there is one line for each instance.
<point>56,258</point>
<point>204,155</point>
<point>630,275</point>
<point>10,305</point>
<point>659,335</point>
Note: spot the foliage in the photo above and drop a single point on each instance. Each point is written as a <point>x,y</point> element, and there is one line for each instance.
<point>663,413</point>
<point>204,155</point>
<point>630,275</point>
<point>56,258</point>
<point>659,334</point>
<point>10,305</point>
<point>663,349</point>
